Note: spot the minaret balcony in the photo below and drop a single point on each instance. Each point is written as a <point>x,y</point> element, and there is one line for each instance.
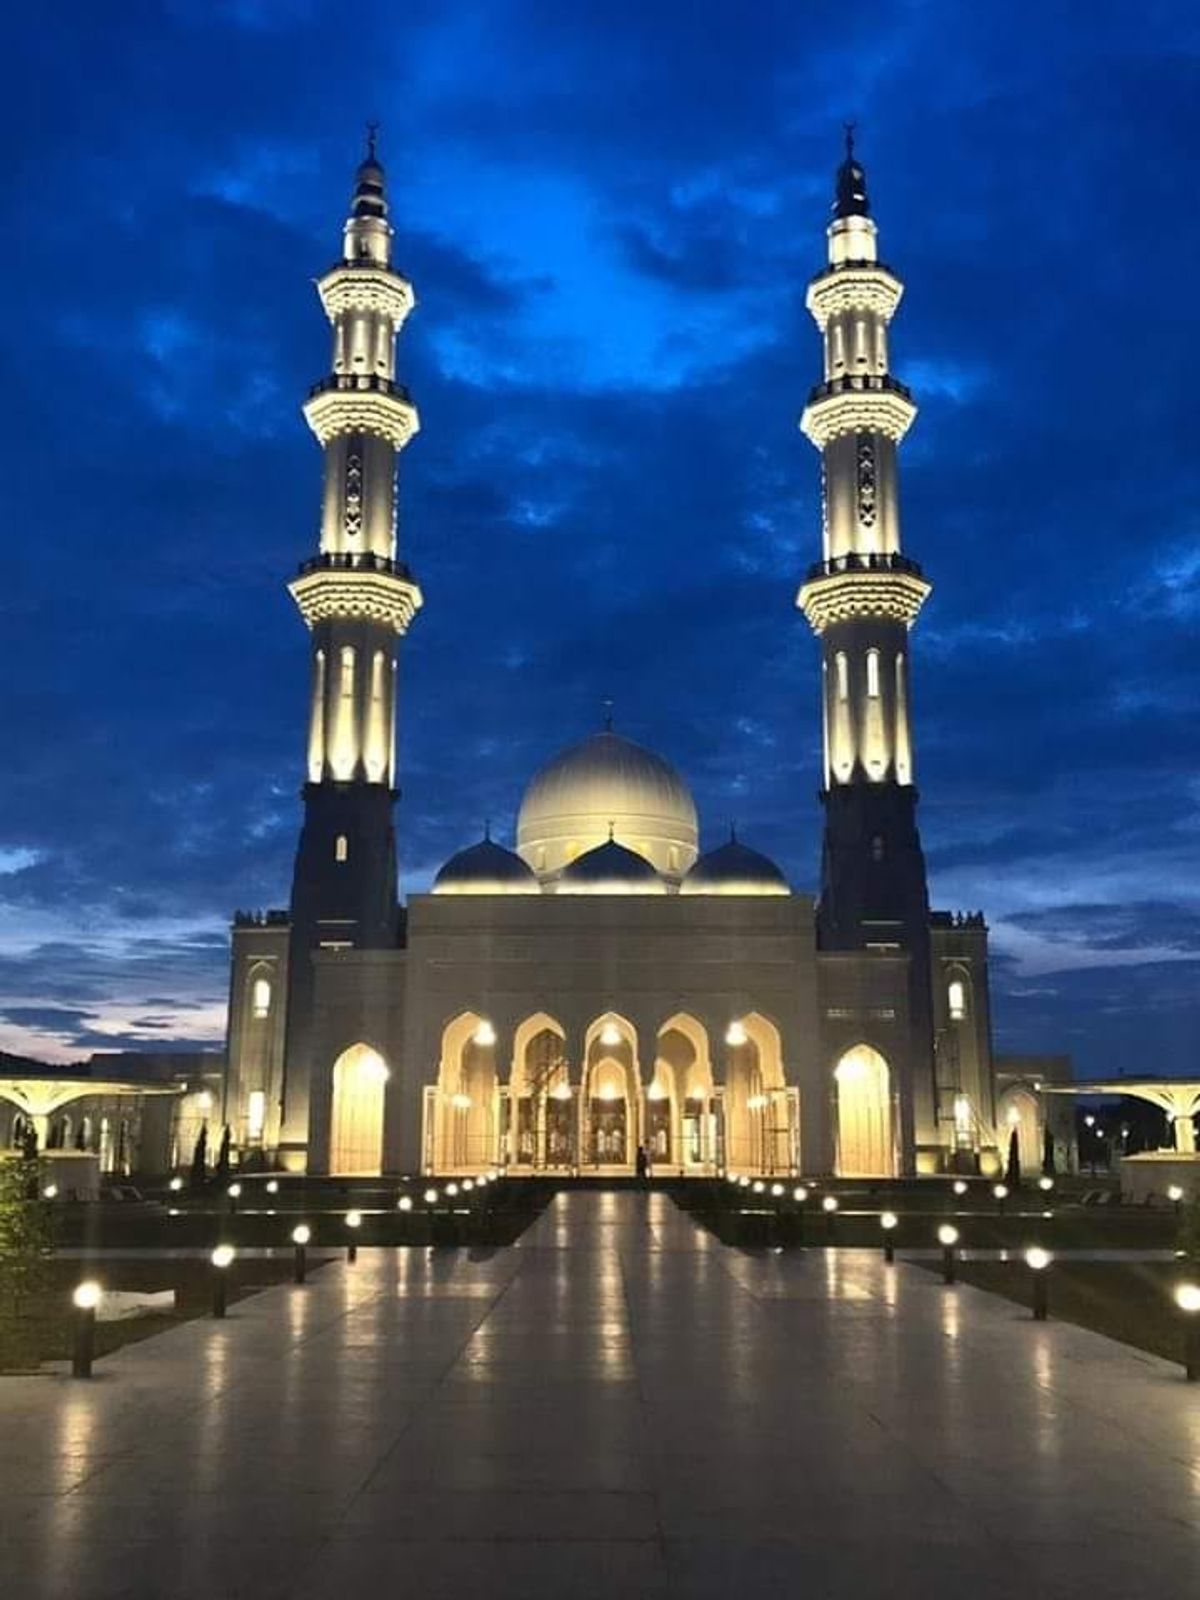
<point>854,286</point>
<point>365,588</point>
<point>856,588</point>
<point>361,402</point>
<point>362,287</point>
<point>858,403</point>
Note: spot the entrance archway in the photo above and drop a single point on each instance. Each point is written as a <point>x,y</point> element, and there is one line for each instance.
<point>465,1126</point>
<point>541,1107</point>
<point>757,1113</point>
<point>864,1115</point>
<point>356,1125</point>
<point>611,1122</point>
<point>1019,1111</point>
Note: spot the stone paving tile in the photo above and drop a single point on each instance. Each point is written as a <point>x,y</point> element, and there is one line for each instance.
<point>616,1406</point>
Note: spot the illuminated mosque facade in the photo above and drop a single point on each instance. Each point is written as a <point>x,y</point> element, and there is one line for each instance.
<point>603,985</point>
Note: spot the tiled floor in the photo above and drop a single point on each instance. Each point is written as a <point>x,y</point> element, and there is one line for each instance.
<point>616,1406</point>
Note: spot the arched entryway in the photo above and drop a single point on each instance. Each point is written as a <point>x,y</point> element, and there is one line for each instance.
<point>862,1085</point>
<point>1020,1113</point>
<point>360,1075</point>
<point>610,1123</point>
<point>465,1115</point>
<point>541,1105</point>
<point>684,1070</point>
<point>758,1133</point>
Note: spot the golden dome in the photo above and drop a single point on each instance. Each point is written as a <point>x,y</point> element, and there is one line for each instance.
<point>608,788</point>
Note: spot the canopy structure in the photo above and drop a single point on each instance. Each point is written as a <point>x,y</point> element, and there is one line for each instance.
<point>40,1098</point>
<point>1178,1097</point>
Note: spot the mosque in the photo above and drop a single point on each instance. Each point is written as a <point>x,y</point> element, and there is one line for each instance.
<point>603,986</point>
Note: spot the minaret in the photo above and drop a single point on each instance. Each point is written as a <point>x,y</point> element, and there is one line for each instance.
<point>861,600</point>
<point>357,598</point>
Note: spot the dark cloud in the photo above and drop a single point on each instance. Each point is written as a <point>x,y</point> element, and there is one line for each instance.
<point>609,215</point>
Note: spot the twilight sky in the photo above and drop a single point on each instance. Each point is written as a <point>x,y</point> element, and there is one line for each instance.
<point>610,213</point>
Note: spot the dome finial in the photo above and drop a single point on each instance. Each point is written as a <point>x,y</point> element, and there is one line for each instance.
<point>612,832</point>
<point>487,829</point>
<point>732,831</point>
<point>851,196</point>
<point>608,715</point>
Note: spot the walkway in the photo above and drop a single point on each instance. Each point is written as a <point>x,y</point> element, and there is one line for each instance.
<point>617,1406</point>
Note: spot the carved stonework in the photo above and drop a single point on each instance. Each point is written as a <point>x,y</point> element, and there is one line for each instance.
<point>352,515</point>
<point>866,480</point>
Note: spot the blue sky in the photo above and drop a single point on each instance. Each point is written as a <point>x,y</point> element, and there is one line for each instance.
<point>610,215</point>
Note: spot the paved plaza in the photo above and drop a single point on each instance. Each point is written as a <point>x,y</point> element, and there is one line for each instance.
<point>618,1405</point>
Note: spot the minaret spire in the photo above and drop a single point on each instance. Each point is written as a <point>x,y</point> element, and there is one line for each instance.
<point>357,598</point>
<point>861,600</point>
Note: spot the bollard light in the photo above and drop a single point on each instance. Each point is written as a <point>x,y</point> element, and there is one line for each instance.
<point>85,1299</point>
<point>948,1239</point>
<point>176,1184</point>
<point>301,1234</point>
<point>234,1192</point>
<point>50,1192</point>
<point>1000,1191</point>
<point>800,1194</point>
<point>889,1222</point>
<point>353,1222</point>
<point>1038,1261</point>
<point>1175,1196</point>
<point>222,1260</point>
<point>468,1185</point>
<point>404,1203</point>
<point>1187,1298</point>
<point>759,1186</point>
<point>829,1206</point>
<point>960,1187</point>
<point>777,1191</point>
<point>452,1189</point>
<point>272,1185</point>
<point>431,1197</point>
<point>1045,1184</point>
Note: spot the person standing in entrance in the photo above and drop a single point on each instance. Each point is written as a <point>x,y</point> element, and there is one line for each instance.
<point>643,1163</point>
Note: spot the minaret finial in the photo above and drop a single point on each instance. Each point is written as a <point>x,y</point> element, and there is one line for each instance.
<point>851,198</point>
<point>732,832</point>
<point>487,830</point>
<point>612,832</point>
<point>608,715</point>
<point>372,139</point>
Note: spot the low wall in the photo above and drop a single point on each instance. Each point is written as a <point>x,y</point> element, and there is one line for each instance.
<point>1155,1171</point>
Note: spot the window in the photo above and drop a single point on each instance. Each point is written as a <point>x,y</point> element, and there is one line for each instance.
<point>341,848</point>
<point>873,674</point>
<point>256,1114</point>
<point>260,998</point>
<point>843,675</point>
<point>347,684</point>
<point>956,994</point>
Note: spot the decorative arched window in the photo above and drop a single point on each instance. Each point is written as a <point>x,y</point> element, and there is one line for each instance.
<point>341,848</point>
<point>843,675</point>
<point>873,674</point>
<point>956,995</point>
<point>347,680</point>
<point>260,998</point>
<point>256,1115</point>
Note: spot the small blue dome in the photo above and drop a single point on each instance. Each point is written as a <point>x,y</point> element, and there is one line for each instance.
<point>610,869</point>
<point>734,868</point>
<point>485,868</point>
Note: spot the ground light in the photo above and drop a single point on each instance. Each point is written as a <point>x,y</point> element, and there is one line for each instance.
<point>1000,1191</point>
<point>1187,1298</point>
<point>431,1197</point>
<point>948,1239</point>
<point>404,1203</point>
<point>222,1260</point>
<point>354,1223</point>
<point>829,1206</point>
<point>960,1187</point>
<point>50,1192</point>
<point>272,1185</point>
<point>1175,1196</point>
<point>85,1300</point>
<point>175,1185</point>
<point>777,1191</point>
<point>234,1192</point>
<point>451,1189</point>
<point>889,1222</point>
<point>1038,1261</point>
<point>1045,1184</point>
<point>301,1234</point>
<point>800,1194</point>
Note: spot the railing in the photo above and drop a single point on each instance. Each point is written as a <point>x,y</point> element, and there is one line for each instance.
<point>361,383</point>
<point>860,383</point>
<point>352,561</point>
<point>868,562</point>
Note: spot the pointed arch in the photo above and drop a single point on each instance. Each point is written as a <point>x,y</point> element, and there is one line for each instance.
<point>863,1090</point>
<point>360,1075</point>
<point>541,1107</point>
<point>757,1128</point>
<point>1020,1112</point>
<point>465,1108</point>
